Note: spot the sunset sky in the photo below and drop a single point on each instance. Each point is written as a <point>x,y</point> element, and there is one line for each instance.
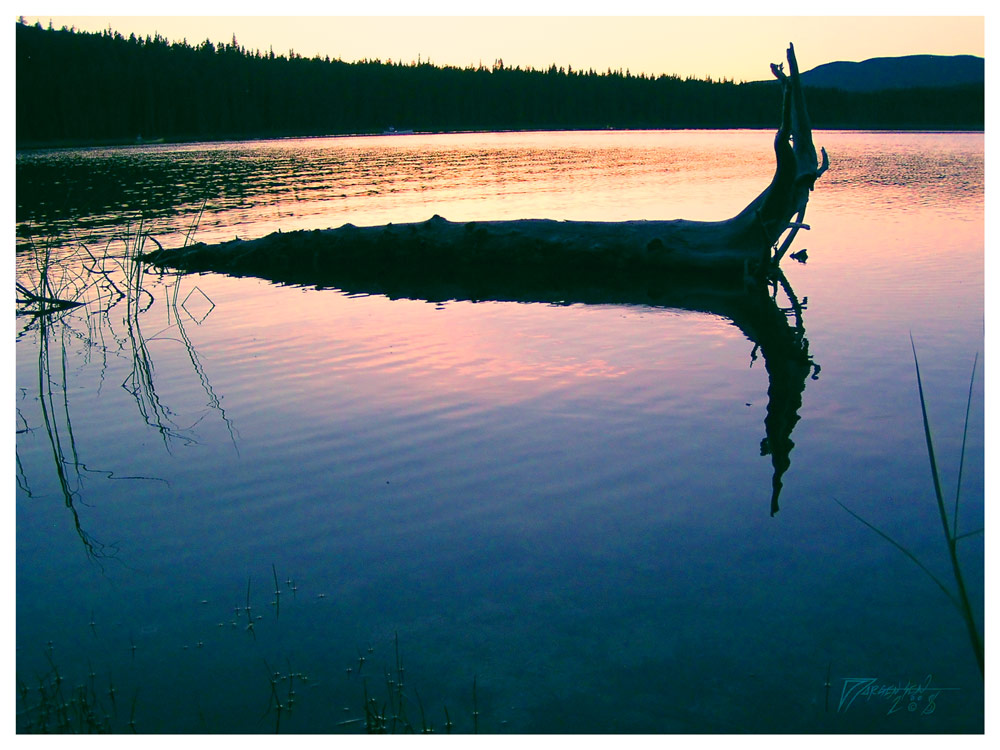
<point>720,46</point>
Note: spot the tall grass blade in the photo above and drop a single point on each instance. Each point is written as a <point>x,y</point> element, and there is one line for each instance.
<point>905,551</point>
<point>930,443</point>
<point>966,607</point>
<point>969,533</point>
<point>961,461</point>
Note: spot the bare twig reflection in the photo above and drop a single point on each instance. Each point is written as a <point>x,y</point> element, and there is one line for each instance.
<point>213,400</point>
<point>96,284</point>
<point>60,435</point>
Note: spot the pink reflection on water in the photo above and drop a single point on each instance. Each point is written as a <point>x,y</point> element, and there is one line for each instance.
<point>396,351</point>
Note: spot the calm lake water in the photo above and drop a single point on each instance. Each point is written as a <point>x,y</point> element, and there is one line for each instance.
<point>554,517</point>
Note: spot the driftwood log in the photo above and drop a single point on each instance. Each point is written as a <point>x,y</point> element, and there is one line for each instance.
<point>746,244</point>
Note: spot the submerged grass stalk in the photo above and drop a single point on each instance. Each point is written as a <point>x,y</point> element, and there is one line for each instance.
<point>475,708</point>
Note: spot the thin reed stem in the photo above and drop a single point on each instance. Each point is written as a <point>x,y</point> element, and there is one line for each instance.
<point>965,606</point>
<point>961,461</point>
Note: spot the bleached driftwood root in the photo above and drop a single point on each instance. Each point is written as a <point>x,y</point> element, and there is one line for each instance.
<point>744,246</point>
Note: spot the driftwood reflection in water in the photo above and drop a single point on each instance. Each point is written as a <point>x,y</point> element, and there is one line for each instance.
<point>776,330</point>
<point>774,325</point>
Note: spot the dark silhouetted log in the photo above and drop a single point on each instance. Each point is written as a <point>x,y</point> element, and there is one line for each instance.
<point>744,247</point>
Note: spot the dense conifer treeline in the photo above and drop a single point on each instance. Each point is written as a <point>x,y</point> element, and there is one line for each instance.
<point>76,87</point>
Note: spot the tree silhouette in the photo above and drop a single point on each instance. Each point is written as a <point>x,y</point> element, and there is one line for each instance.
<point>81,87</point>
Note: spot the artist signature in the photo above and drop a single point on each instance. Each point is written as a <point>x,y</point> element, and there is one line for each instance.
<point>912,697</point>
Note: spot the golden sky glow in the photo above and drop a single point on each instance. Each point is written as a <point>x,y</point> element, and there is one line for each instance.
<point>721,46</point>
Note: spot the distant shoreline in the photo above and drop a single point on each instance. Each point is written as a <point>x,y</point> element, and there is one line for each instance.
<point>121,143</point>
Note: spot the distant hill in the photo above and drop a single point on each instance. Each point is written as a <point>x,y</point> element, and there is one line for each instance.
<point>912,71</point>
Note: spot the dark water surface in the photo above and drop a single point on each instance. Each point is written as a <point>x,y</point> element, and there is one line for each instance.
<point>562,512</point>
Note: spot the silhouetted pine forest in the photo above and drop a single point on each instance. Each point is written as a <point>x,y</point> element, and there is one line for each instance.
<point>76,87</point>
